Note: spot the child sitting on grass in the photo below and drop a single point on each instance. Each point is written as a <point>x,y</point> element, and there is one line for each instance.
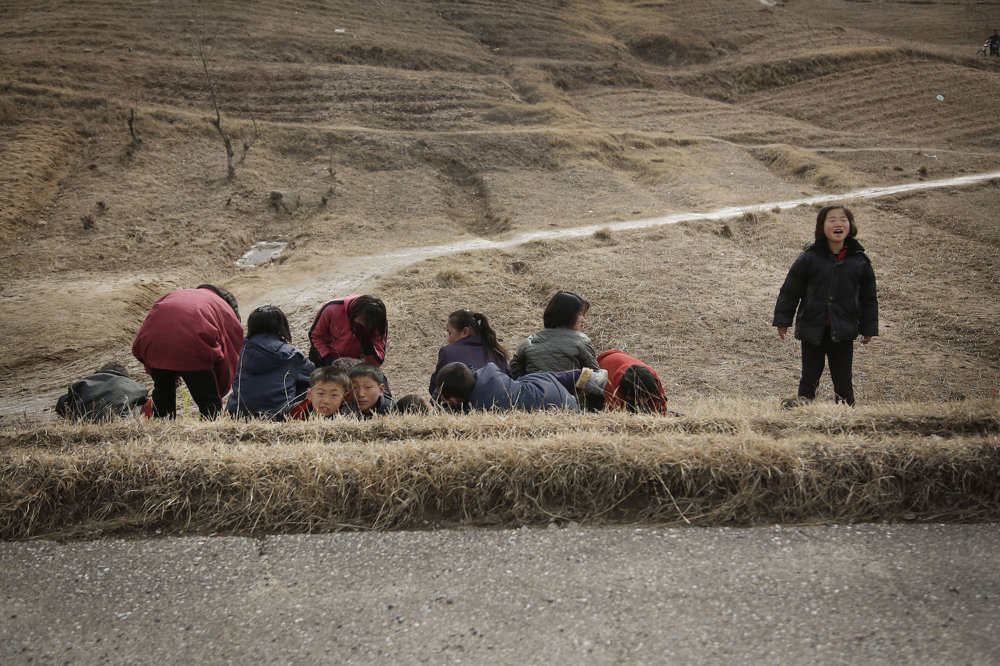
<point>488,388</point>
<point>329,391</point>
<point>369,389</point>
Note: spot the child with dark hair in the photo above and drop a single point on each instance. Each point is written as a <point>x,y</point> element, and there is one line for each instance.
<point>830,291</point>
<point>352,327</point>
<point>194,335</point>
<point>472,341</point>
<point>486,388</point>
<point>328,394</point>
<point>368,387</point>
<point>108,393</point>
<point>561,345</point>
<point>412,403</point>
<point>632,385</point>
<point>272,375</point>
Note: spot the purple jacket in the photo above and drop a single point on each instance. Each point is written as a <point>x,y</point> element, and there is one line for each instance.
<point>471,351</point>
<point>538,390</point>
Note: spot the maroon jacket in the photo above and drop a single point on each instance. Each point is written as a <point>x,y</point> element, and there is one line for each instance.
<point>332,334</point>
<point>191,329</point>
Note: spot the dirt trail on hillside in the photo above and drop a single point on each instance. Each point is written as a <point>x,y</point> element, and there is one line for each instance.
<point>351,274</point>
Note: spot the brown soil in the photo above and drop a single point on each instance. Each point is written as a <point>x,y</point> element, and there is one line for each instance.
<point>409,124</point>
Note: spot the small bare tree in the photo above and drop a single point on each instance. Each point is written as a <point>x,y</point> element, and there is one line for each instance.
<point>201,45</point>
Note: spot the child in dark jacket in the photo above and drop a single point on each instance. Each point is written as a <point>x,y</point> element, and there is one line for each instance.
<point>830,290</point>
<point>472,341</point>
<point>328,395</point>
<point>272,375</point>
<point>368,387</point>
<point>486,388</point>
<point>106,394</point>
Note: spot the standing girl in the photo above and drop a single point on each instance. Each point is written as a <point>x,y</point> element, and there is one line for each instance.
<point>830,291</point>
<point>470,341</point>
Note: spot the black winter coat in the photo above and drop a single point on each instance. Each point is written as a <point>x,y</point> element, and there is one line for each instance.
<point>821,288</point>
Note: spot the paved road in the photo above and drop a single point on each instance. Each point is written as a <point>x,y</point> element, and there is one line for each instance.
<point>839,594</point>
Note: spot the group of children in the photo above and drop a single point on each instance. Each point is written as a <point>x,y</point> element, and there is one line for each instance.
<point>196,336</point>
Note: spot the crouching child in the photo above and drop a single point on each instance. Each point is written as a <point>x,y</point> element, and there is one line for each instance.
<point>108,393</point>
<point>632,385</point>
<point>328,394</point>
<point>368,387</point>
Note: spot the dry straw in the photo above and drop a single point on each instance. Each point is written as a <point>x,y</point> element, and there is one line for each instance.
<point>755,465</point>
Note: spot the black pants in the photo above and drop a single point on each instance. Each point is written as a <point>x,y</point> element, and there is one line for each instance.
<point>841,360</point>
<point>200,383</point>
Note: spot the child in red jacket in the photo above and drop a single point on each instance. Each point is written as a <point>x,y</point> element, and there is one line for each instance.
<point>194,335</point>
<point>632,385</point>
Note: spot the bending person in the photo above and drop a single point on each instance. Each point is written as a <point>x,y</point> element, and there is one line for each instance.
<point>193,335</point>
<point>350,327</point>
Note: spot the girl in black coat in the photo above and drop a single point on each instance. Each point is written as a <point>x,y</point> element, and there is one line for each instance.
<point>830,291</point>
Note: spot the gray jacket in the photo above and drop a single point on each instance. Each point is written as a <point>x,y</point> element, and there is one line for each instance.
<point>552,350</point>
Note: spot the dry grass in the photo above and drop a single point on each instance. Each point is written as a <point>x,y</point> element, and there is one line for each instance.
<point>820,463</point>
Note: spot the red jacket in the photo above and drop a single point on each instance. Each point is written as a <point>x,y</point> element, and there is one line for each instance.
<point>191,329</point>
<point>332,334</point>
<point>616,363</point>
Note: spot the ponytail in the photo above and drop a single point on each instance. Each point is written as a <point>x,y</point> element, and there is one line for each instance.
<point>479,325</point>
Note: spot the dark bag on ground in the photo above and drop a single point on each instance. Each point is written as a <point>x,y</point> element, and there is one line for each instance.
<point>104,395</point>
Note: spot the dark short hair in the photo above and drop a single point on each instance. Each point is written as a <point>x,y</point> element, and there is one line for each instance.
<point>328,374</point>
<point>115,369</point>
<point>367,370</point>
<point>563,308</point>
<point>224,295</point>
<point>268,320</point>
<point>455,380</point>
<point>821,219</point>
<point>344,363</point>
<point>412,403</point>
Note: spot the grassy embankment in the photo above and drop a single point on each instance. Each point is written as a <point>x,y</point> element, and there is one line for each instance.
<point>724,462</point>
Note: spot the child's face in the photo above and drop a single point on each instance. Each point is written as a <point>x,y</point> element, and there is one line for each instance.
<point>454,335</point>
<point>366,391</point>
<point>578,324</point>
<point>326,397</point>
<point>836,226</point>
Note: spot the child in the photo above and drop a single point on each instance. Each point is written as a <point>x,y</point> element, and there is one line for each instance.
<point>632,385</point>
<point>830,290</point>
<point>329,391</point>
<point>488,388</point>
<point>470,341</point>
<point>272,375</point>
<point>561,345</point>
<point>368,388</point>
<point>195,335</point>
<point>412,403</point>
<point>107,393</point>
<point>351,327</point>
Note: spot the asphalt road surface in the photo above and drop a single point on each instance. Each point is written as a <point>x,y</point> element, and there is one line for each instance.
<point>864,593</point>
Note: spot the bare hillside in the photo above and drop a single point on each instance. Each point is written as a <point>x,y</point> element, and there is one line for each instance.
<point>394,125</point>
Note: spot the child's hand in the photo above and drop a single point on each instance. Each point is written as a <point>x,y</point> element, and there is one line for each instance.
<point>781,331</point>
<point>866,339</point>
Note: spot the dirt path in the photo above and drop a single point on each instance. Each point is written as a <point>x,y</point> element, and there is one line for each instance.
<point>352,273</point>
